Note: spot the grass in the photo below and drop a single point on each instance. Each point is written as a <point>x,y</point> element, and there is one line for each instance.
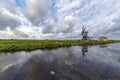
<point>29,45</point>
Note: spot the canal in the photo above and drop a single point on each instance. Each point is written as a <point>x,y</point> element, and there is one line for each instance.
<point>101,62</point>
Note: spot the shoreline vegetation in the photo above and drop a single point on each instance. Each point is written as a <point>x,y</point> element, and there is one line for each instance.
<point>29,45</point>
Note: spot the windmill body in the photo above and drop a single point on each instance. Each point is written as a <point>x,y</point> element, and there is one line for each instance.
<point>85,34</point>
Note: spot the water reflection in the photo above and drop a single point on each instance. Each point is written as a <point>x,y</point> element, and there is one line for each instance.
<point>103,46</point>
<point>65,64</point>
<point>84,51</point>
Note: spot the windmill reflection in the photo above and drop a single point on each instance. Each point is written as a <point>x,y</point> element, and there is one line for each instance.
<point>84,51</point>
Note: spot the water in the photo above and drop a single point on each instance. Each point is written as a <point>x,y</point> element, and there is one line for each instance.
<point>73,63</point>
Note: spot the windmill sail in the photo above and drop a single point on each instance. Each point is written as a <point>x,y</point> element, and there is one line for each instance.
<point>84,34</point>
<point>83,30</point>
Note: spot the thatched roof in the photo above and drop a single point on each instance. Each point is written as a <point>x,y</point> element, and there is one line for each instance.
<point>103,37</point>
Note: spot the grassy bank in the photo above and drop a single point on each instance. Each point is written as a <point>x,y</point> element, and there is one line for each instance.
<point>28,45</point>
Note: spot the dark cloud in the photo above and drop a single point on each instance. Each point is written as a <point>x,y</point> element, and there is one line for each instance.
<point>8,19</point>
<point>49,26</point>
<point>114,30</point>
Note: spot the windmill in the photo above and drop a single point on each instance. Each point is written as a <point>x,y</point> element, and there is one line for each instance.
<point>85,34</point>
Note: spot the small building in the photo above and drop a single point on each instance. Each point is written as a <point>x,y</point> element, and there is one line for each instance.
<point>102,38</point>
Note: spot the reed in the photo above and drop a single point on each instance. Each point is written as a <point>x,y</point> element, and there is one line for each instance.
<point>29,45</point>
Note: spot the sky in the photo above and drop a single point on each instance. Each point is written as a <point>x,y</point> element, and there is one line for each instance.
<point>59,19</point>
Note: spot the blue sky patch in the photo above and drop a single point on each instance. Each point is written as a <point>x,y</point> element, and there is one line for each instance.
<point>21,3</point>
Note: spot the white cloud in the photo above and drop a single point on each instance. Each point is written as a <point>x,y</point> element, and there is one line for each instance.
<point>71,20</point>
<point>70,5</point>
<point>6,34</point>
<point>36,10</point>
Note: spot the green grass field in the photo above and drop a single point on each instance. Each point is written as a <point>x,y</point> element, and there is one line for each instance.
<point>29,45</point>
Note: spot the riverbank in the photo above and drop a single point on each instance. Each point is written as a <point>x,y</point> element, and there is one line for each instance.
<point>29,45</point>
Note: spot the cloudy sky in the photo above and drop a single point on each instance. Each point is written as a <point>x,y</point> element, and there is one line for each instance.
<point>59,19</point>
